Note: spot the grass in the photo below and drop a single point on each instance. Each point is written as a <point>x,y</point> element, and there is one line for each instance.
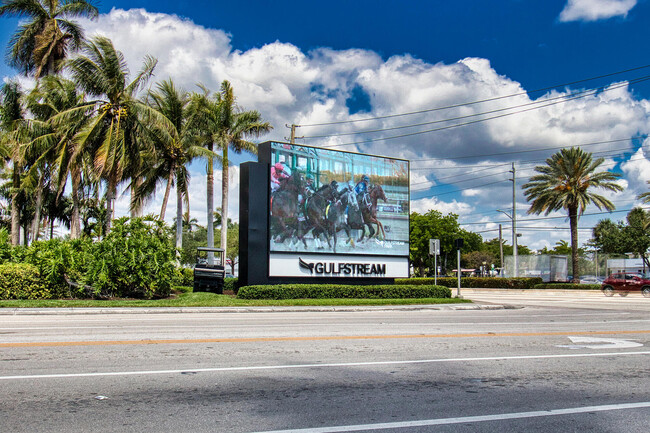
<point>203,299</point>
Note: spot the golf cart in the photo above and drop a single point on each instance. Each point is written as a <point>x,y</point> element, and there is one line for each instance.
<point>209,274</point>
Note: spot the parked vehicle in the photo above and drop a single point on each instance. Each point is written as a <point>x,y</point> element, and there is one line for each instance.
<point>209,274</point>
<point>591,279</point>
<point>624,283</point>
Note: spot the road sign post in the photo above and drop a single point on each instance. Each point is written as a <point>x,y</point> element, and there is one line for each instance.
<point>434,250</point>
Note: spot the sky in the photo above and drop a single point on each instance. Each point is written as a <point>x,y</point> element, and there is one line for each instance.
<point>462,89</point>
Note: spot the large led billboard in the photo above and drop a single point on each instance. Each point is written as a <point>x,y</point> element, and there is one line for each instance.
<point>333,202</point>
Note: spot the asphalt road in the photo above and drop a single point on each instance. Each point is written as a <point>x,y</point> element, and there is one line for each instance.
<point>551,366</point>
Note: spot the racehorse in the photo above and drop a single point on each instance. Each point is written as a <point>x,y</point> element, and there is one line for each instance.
<point>355,219</point>
<point>317,212</point>
<point>284,208</point>
<point>375,192</point>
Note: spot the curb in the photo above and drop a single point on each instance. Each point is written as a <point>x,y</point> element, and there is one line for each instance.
<point>217,310</point>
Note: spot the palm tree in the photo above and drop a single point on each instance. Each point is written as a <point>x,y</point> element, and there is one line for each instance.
<point>237,124</point>
<point>121,124</point>
<point>52,96</point>
<point>14,136</point>
<point>644,197</point>
<point>205,115</point>
<point>564,183</point>
<point>173,151</point>
<point>229,125</point>
<point>40,45</point>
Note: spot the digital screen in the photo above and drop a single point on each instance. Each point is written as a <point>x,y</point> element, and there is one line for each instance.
<point>328,201</point>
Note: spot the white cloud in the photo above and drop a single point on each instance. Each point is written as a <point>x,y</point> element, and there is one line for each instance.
<point>288,85</point>
<point>594,10</point>
<point>426,204</point>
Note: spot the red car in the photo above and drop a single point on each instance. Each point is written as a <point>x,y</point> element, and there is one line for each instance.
<point>624,283</point>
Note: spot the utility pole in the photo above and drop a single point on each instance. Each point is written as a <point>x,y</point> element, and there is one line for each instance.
<point>293,137</point>
<point>514,221</point>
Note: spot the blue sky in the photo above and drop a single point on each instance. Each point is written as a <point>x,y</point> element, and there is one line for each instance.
<point>316,62</point>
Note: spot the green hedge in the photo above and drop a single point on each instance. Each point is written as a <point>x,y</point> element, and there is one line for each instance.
<point>328,291</point>
<point>22,281</point>
<point>567,286</point>
<point>231,284</point>
<point>476,282</point>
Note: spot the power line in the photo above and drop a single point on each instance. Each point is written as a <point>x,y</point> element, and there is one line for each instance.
<point>476,102</point>
<point>442,128</point>
<point>530,169</point>
<point>548,218</point>
<point>560,98</point>
<point>542,149</point>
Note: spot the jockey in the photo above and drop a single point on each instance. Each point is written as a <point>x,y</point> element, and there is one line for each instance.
<point>279,173</point>
<point>307,191</point>
<point>362,190</point>
<point>351,198</point>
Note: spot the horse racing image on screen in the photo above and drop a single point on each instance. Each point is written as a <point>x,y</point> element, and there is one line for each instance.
<point>327,201</point>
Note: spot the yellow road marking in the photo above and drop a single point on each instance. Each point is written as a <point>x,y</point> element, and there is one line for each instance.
<point>326,338</point>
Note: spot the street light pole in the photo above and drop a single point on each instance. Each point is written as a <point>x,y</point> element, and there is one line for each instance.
<point>515,272</point>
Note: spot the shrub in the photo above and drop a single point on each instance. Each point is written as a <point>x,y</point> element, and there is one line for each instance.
<point>567,286</point>
<point>476,282</point>
<point>5,246</point>
<point>187,277</point>
<point>136,259</point>
<point>231,284</point>
<point>326,291</point>
<point>59,262</point>
<point>22,281</point>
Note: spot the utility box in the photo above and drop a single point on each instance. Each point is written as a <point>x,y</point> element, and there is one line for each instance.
<point>209,270</point>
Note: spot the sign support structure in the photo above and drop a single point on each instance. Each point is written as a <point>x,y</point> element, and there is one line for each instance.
<point>434,250</point>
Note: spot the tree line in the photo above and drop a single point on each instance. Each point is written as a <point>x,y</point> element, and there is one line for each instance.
<point>90,126</point>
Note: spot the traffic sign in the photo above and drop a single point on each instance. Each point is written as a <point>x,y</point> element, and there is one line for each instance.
<point>434,247</point>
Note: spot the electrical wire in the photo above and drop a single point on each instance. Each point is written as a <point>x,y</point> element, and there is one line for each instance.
<point>561,98</point>
<point>475,102</point>
<point>458,124</point>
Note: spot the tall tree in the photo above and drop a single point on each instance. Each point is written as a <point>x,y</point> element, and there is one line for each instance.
<point>41,44</point>
<point>14,136</point>
<point>52,96</point>
<point>121,123</point>
<point>565,183</point>
<point>645,197</point>
<point>226,125</point>
<point>236,126</point>
<point>173,150</point>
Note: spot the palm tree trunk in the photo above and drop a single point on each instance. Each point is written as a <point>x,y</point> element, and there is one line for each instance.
<point>224,200</point>
<point>166,197</point>
<point>136,209</point>
<point>15,211</point>
<point>573,223</point>
<point>179,217</point>
<point>110,194</point>
<point>36,222</point>
<point>75,224</point>
<point>210,203</point>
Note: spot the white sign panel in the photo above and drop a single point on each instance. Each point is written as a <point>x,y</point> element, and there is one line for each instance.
<point>325,265</point>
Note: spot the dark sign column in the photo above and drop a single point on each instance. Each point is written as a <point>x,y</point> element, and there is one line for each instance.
<point>253,218</point>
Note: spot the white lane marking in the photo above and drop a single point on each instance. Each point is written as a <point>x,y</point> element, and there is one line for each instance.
<point>334,365</point>
<point>466,419</point>
<point>600,343</point>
